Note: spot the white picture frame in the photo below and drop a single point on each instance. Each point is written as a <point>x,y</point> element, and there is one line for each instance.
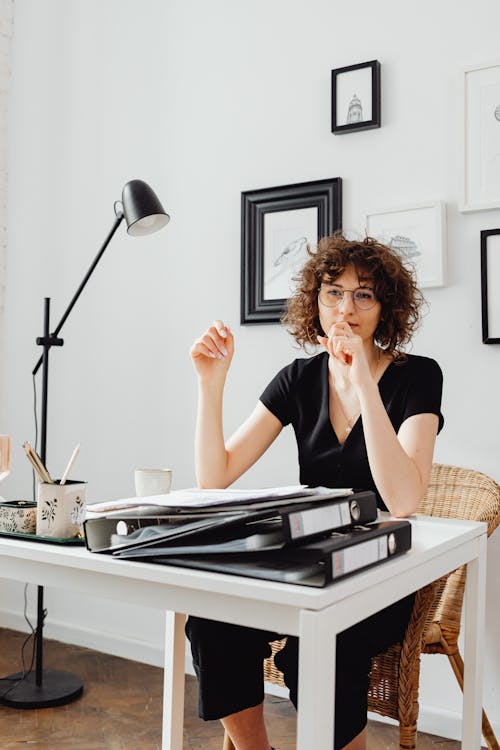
<point>418,233</point>
<point>480,141</point>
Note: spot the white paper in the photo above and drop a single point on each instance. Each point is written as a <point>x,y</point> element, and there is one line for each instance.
<point>196,498</point>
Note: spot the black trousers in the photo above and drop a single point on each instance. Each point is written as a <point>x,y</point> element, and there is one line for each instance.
<point>221,651</point>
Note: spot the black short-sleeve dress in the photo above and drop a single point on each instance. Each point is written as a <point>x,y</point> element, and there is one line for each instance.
<point>299,395</point>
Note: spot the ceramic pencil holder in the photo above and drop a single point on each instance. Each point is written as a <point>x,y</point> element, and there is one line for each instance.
<point>18,516</point>
<point>61,509</point>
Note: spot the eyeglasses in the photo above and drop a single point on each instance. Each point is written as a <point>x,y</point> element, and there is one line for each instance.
<point>363,297</point>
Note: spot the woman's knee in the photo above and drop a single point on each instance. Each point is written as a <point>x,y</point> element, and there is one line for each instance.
<point>210,640</point>
<point>221,651</point>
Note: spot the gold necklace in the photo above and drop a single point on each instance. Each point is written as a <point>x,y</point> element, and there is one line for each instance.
<point>351,420</point>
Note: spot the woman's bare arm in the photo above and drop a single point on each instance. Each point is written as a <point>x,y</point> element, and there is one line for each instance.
<point>400,463</point>
<point>219,464</point>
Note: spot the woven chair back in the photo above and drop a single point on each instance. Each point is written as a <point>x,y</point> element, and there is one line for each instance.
<point>455,492</point>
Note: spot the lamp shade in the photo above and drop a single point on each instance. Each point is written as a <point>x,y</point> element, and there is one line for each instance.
<point>143,211</point>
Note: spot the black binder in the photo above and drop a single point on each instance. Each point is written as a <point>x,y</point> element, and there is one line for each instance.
<point>316,563</point>
<point>125,530</point>
<point>271,528</point>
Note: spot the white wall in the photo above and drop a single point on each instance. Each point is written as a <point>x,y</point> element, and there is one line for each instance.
<point>204,100</point>
<point>6,14</point>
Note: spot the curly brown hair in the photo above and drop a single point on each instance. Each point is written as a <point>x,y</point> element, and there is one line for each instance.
<point>393,282</point>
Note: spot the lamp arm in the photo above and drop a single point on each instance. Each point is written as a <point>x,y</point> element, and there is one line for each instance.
<point>80,289</point>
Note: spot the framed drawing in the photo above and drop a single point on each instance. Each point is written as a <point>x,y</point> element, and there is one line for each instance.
<point>417,233</point>
<point>481,138</point>
<point>490,280</point>
<point>356,97</point>
<point>277,224</point>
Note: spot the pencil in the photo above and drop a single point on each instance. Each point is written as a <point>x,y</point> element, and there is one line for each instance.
<point>37,463</point>
<point>70,464</point>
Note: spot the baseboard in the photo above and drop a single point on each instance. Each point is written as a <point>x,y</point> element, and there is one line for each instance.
<point>106,643</point>
<point>98,640</point>
<point>281,692</point>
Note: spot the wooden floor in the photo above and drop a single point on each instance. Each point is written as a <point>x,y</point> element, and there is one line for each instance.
<point>121,709</point>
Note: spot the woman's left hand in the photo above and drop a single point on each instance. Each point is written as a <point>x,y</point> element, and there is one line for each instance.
<point>347,347</point>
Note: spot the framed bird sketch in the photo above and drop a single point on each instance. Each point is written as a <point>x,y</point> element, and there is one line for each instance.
<point>417,233</point>
<point>277,225</point>
<point>356,97</point>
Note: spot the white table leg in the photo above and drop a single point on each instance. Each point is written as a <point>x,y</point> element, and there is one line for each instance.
<point>173,682</point>
<point>316,683</point>
<point>475,594</point>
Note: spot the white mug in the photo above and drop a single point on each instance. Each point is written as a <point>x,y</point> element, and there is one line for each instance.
<point>61,509</point>
<point>152,482</point>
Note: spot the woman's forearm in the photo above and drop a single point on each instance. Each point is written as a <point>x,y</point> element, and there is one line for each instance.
<point>210,451</point>
<point>397,476</point>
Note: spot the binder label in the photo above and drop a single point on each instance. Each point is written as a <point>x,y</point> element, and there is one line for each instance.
<point>358,556</point>
<point>319,519</point>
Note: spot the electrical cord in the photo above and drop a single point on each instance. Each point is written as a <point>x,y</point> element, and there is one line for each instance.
<point>31,635</point>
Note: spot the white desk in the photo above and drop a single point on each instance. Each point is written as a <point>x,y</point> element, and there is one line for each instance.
<point>315,615</point>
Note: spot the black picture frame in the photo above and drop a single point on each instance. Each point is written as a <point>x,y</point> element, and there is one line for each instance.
<point>354,106</point>
<point>491,332</point>
<point>323,196</point>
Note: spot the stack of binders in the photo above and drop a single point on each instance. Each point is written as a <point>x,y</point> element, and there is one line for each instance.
<point>311,540</point>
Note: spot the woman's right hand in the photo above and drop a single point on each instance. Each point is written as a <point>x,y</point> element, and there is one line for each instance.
<point>213,351</point>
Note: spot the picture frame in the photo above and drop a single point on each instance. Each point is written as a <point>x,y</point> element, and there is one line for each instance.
<point>356,97</point>
<point>417,232</point>
<point>277,224</point>
<point>490,285</point>
<point>480,158</point>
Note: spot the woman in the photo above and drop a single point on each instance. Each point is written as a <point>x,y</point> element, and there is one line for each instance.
<point>365,415</point>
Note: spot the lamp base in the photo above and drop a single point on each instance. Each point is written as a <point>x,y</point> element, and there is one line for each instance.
<point>57,689</point>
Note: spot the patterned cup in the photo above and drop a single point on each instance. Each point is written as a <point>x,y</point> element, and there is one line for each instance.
<point>18,516</point>
<point>61,509</point>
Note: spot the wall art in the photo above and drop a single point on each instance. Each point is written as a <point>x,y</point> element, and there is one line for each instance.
<point>490,285</point>
<point>356,97</point>
<point>277,224</point>
<point>417,233</point>
<point>481,138</point>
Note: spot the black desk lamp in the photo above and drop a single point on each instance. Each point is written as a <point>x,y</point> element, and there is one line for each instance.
<point>144,214</point>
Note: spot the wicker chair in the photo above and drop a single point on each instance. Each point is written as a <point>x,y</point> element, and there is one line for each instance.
<point>434,625</point>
